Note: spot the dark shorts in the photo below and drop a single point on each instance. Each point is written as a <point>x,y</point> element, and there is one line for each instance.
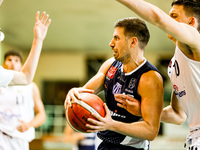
<point>111,146</point>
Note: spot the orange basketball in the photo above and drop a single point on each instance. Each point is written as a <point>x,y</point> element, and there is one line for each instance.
<point>80,111</point>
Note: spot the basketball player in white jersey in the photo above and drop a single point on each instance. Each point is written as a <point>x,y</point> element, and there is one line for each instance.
<point>17,107</point>
<point>26,74</point>
<point>182,26</point>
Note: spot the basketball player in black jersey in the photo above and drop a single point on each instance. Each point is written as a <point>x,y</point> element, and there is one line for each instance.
<point>128,74</point>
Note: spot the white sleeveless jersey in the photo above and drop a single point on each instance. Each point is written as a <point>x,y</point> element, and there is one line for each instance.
<point>16,103</point>
<point>185,79</point>
<point>5,76</point>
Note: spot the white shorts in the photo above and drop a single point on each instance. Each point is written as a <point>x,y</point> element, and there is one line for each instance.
<point>11,143</point>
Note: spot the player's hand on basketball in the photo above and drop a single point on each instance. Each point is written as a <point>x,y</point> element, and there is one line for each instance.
<point>129,103</point>
<point>74,94</point>
<point>41,25</point>
<point>102,123</point>
<point>24,126</point>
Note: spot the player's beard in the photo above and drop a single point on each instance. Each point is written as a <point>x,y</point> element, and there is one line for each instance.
<point>125,58</point>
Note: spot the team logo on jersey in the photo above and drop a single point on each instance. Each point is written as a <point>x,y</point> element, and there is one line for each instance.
<point>132,83</point>
<point>19,100</point>
<point>115,114</point>
<point>111,72</point>
<point>121,78</point>
<point>176,91</point>
<point>117,88</point>
<point>8,114</point>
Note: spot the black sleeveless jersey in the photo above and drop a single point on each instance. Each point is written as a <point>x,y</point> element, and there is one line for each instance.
<point>118,82</point>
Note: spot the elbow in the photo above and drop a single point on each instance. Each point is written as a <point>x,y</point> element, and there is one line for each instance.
<point>28,79</point>
<point>26,76</point>
<point>182,119</point>
<point>44,119</point>
<point>153,136</point>
<point>153,133</point>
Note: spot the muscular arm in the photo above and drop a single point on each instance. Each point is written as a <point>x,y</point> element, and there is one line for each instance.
<point>151,90</point>
<point>25,76</point>
<point>173,113</point>
<point>159,18</point>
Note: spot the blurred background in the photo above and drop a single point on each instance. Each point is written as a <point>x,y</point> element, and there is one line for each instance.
<point>77,43</point>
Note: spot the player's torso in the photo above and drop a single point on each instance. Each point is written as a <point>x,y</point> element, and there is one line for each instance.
<point>118,82</point>
<point>16,102</point>
<point>185,78</point>
<point>123,83</point>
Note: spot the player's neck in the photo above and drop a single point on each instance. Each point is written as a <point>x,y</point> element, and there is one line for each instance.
<point>132,65</point>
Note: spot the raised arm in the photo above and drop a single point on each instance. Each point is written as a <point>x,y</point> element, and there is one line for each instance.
<point>26,75</point>
<point>159,18</point>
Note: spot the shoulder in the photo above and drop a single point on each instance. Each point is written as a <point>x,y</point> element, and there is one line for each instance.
<point>191,44</point>
<point>34,87</point>
<point>109,61</point>
<point>106,65</point>
<point>151,77</point>
<point>151,82</point>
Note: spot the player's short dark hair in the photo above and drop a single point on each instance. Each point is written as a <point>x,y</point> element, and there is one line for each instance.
<point>13,53</point>
<point>191,7</point>
<point>135,27</point>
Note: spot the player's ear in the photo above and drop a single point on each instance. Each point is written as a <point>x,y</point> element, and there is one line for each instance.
<point>133,41</point>
<point>192,21</point>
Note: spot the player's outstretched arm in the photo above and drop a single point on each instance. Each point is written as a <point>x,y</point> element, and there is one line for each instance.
<point>26,75</point>
<point>159,18</point>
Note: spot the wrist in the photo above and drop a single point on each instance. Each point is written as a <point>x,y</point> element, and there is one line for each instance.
<point>38,39</point>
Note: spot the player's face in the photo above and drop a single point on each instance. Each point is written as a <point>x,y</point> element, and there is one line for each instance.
<point>119,45</point>
<point>177,13</point>
<point>12,63</point>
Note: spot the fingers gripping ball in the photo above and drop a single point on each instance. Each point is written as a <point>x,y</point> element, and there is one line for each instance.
<point>80,111</point>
